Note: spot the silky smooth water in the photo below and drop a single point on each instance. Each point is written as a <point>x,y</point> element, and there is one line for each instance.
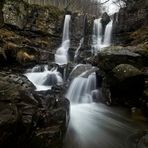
<point>61,56</point>
<point>46,79</point>
<point>95,125</point>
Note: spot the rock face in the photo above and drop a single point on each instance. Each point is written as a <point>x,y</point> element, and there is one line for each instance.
<point>123,81</point>
<point>32,17</point>
<point>30,119</point>
<point>1,14</point>
<point>31,29</point>
<point>128,20</point>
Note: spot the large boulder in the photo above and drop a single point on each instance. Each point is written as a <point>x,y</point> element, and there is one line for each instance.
<point>30,119</point>
<point>126,85</point>
<point>112,56</point>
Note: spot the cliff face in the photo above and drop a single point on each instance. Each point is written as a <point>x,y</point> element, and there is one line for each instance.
<point>38,30</point>
<point>128,20</point>
<point>29,28</point>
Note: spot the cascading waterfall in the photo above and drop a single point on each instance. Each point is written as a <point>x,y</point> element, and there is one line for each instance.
<point>97,36</point>
<point>46,79</point>
<point>98,41</point>
<point>108,34</point>
<point>81,89</point>
<point>61,56</point>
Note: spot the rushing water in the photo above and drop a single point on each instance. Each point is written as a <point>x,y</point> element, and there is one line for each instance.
<point>97,36</point>
<point>92,125</point>
<point>81,89</point>
<point>61,56</point>
<point>95,125</point>
<point>108,34</point>
<point>44,80</point>
<point>99,40</point>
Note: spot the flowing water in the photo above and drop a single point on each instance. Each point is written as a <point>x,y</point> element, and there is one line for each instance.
<point>92,125</point>
<point>45,79</point>
<point>97,36</point>
<point>98,126</point>
<point>81,89</point>
<point>108,34</point>
<point>99,40</point>
<point>61,56</point>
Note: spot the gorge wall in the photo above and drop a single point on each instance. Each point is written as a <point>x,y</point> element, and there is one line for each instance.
<point>37,30</point>
<point>127,21</point>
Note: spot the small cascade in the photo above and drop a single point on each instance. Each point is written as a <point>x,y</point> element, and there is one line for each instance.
<point>61,56</point>
<point>99,40</point>
<point>79,47</point>
<point>81,88</point>
<point>108,34</point>
<point>45,79</point>
<point>97,36</point>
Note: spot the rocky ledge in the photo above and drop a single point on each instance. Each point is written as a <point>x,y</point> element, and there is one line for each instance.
<point>124,71</point>
<point>30,119</point>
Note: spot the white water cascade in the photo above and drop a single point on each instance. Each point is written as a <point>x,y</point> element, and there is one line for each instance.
<point>98,41</point>
<point>81,88</point>
<point>46,79</point>
<point>108,34</point>
<point>97,36</point>
<point>61,56</point>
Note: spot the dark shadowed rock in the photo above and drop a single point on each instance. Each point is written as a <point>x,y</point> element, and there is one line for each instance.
<point>124,85</point>
<point>30,119</point>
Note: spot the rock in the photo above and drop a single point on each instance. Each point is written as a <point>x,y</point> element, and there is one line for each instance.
<point>124,71</point>
<point>30,119</point>
<point>1,14</point>
<point>79,69</point>
<point>126,85</point>
<point>128,20</point>
<point>31,17</point>
<point>112,56</point>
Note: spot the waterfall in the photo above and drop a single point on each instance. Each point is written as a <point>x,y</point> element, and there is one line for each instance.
<point>61,56</point>
<point>44,80</point>
<point>81,88</point>
<point>79,47</point>
<point>107,34</point>
<point>98,41</point>
<point>97,36</point>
